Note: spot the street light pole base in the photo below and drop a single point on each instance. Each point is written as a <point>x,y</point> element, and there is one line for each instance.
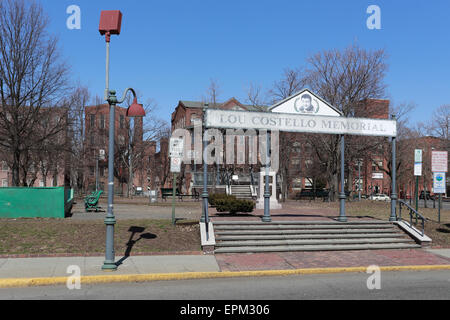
<point>109,266</point>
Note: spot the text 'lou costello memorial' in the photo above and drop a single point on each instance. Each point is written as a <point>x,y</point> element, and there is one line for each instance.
<point>216,118</point>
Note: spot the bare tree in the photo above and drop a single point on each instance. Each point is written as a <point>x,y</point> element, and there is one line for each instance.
<point>291,82</point>
<point>32,81</point>
<point>141,133</point>
<point>255,98</point>
<point>78,100</point>
<point>440,123</point>
<point>213,92</point>
<point>344,79</point>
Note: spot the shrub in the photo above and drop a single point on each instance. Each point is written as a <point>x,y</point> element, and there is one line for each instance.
<point>233,205</point>
<point>212,199</point>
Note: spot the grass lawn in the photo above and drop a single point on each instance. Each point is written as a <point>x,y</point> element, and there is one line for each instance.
<point>58,236</point>
<point>54,236</point>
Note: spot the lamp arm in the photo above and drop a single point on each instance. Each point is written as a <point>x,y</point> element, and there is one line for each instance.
<point>125,95</point>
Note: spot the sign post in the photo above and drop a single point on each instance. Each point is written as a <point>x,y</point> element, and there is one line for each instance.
<point>176,154</point>
<point>439,166</point>
<point>417,173</point>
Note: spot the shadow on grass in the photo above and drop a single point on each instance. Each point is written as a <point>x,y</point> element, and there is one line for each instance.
<point>132,242</point>
<point>442,230</point>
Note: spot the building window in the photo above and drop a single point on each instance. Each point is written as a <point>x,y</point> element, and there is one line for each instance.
<point>102,171</point>
<point>91,139</point>
<point>4,166</point>
<point>92,119</point>
<point>122,122</point>
<point>377,165</point>
<point>102,121</point>
<point>4,183</point>
<point>92,170</point>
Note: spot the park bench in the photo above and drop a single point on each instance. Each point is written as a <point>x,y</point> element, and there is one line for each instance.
<point>91,201</point>
<point>305,194</point>
<point>311,195</point>
<point>168,192</point>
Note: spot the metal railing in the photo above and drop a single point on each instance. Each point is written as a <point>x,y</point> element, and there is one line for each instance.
<point>412,212</point>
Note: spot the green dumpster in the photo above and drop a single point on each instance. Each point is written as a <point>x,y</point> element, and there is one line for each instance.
<point>45,202</point>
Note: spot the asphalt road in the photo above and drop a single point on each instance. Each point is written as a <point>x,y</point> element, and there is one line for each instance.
<point>423,285</point>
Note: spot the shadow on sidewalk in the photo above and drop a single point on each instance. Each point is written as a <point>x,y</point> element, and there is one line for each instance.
<point>132,242</point>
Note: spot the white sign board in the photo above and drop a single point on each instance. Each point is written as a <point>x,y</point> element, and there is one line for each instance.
<point>439,182</point>
<point>439,161</point>
<point>217,118</point>
<point>417,155</point>
<point>418,168</point>
<point>176,147</point>
<point>175,164</point>
<point>377,175</point>
<point>305,102</point>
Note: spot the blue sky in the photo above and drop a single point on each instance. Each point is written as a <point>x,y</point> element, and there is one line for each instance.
<point>169,50</point>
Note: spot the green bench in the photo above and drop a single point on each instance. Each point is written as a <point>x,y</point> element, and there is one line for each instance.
<point>91,201</point>
<point>168,192</point>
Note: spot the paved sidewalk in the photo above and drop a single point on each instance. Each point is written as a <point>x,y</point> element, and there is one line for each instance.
<point>185,266</point>
<point>91,266</point>
<point>330,259</point>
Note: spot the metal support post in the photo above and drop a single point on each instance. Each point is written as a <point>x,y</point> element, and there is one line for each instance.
<point>359,180</point>
<point>173,196</point>
<point>266,217</point>
<point>110,221</point>
<point>439,208</point>
<point>342,216</point>
<point>205,217</point>
<point>393,216</point>
<point>417,193</point>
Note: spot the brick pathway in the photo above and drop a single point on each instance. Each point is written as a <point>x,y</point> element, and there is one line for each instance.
<point>289,212</point>
<point>326,259</point>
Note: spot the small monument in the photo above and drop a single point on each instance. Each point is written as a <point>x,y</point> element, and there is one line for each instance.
<point>274,204</point>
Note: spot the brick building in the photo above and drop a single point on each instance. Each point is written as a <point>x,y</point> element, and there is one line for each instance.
<point>145,163</point>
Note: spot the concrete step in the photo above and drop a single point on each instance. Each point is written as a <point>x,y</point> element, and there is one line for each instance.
<point>300,227</point>
<point>340,247</point>
<point>305,231</point>
<point>284,222</point>
<point>248,243</point>
<point>308,236</point>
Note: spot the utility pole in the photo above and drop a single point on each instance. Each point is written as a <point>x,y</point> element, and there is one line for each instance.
<point>359,179</point>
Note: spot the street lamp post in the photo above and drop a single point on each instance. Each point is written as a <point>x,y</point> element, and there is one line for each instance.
<point>110,23</point>
<point>135,110</point>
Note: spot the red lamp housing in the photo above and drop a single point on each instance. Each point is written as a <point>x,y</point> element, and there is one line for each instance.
<point>135,110</point>
<point>110,22</point>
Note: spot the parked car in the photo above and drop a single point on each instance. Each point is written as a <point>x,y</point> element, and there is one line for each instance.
<point>380,197</point>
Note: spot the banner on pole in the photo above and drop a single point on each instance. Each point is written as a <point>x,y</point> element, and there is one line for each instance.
<point>439,182</point>
<point>439,161</point>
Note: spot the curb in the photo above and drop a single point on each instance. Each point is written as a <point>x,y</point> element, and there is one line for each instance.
<point>31,282</point>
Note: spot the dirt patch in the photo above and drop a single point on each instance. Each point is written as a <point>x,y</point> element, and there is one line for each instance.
<point>50,236</point>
